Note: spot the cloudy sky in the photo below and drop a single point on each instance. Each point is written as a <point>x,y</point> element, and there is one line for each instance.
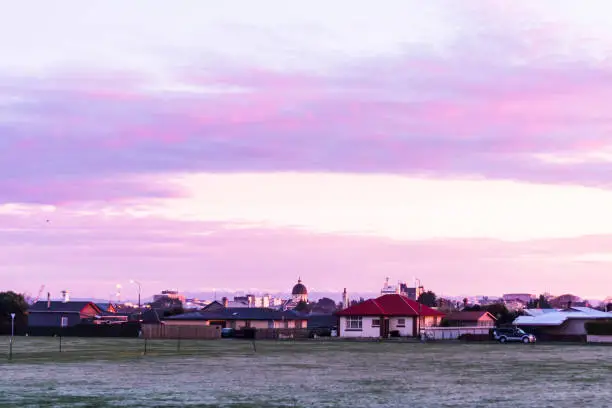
<point>242,144</point>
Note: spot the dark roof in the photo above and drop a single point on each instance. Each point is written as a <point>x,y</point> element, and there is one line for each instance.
<point>322,320</point>
<point>213,306</point>
<point>299,289</point>
<point>469,316</point>
<point>59,306</point>
<point>239,313</point>
<point>390,305</point>
<point>151,316</point>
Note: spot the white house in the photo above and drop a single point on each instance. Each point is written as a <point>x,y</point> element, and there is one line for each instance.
<point>385,314</point>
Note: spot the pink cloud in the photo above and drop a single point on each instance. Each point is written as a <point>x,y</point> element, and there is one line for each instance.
<point>192,255</point>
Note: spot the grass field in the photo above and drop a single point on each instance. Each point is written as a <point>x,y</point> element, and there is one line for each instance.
<point>224,373</point>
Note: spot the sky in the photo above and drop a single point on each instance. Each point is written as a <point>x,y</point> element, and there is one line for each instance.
<point>240,145</point>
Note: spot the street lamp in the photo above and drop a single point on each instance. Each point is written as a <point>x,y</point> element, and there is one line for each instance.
<point>134,282</point>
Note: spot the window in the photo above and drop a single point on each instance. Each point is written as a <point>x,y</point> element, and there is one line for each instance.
<point>375,322</point>
<point>64,322</point>
<point>401,322</point>
<point>353,323</point>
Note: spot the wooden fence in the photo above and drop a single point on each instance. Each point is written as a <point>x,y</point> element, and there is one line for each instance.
<point>282,334</point>
<point>162,331</point>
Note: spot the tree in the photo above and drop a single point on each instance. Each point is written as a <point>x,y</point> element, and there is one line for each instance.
<point>176,310</point>
<point>356,302</point>
<point>540,303</point>
<point>501,313</point>
<point>11,302</point>
<point>428,299</point>
<point>302,307</point>
<point>325,305</point>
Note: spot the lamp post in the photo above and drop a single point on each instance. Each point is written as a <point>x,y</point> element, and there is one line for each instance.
<point>12,336</point>
<point>134,282</point>
<point>118,287</point>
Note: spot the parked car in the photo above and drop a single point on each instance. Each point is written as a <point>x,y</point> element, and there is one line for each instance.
<point>227,332</point>
<point>513,334</point>
<point>319,332</point>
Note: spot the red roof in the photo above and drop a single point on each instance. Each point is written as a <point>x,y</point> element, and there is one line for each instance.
<point>390,305</point>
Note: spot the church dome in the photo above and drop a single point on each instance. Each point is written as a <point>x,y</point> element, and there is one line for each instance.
<point>299,289</point>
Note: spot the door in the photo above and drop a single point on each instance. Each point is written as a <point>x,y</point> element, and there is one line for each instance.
<point>384,327</point>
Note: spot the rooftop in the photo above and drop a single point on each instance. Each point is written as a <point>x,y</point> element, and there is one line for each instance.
<point>239,313</point>
<point>556,317</point>
<point>61,306</point>
<point>390,305</point>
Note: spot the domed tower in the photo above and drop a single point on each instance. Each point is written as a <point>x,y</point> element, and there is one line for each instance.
<point>299,292</point>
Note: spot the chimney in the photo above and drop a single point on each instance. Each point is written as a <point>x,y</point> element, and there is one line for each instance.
<point>65,296</point>
<point>48,300</point>
<point>569,304</point>
<point>225,301</point>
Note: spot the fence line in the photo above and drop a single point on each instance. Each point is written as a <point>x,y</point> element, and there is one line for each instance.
<point>188,332</point>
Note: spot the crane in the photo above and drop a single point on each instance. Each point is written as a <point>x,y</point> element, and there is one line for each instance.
<point>40,291</point>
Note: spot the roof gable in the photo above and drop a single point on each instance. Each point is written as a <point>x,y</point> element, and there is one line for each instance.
<point>469,316</point>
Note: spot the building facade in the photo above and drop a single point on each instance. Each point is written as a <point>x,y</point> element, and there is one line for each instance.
<point>387,315</point>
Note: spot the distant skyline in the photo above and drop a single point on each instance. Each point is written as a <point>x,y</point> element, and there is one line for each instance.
<point>241,145</point>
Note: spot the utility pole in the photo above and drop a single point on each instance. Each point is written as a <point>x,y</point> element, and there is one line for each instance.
<point>12,336</point>
<point>417,289</point>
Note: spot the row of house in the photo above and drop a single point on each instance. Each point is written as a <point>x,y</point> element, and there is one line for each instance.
<point>394,313</point>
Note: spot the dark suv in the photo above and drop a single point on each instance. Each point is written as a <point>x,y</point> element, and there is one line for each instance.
<point>512,334</point>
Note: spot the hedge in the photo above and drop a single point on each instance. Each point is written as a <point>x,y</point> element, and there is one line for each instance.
<point>599,328</point>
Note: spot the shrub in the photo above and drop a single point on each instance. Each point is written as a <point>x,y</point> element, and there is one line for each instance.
<point>600,328</point>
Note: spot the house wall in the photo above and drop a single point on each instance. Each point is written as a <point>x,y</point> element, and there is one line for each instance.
<point>407,330</point>
<point>366,328</point>
<point>482,322</point>
<point>186,322</point>
<point>429,321</point>
<point>571,327</point>
<point>52,319</point>
<point>486,321</point>
<point>368,331</point>
<point>290,324</point>
<point>591,338</point>
<point>238,324</point>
